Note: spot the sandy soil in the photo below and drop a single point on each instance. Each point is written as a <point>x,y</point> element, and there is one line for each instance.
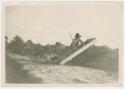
<point>62,74</point>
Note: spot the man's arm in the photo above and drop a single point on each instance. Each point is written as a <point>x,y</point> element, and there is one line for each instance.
<point>81,42</point>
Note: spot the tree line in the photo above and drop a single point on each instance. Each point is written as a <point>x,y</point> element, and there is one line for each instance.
<point>17,45</point>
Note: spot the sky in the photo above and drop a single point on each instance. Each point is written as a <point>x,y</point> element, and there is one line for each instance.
<point>47,24</point>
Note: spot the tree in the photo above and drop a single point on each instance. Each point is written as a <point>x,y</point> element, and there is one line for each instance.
<point>29,48</point>
<point>38,49</point>
<point>33,50</point>
<point>16,45</point>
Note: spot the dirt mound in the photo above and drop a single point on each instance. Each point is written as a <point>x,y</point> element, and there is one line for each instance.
<point>98,57</point>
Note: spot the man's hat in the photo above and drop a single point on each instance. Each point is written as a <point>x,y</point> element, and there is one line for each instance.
<point>77,35</point>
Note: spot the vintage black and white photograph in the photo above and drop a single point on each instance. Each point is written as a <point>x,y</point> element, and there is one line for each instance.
<point>63,43</point>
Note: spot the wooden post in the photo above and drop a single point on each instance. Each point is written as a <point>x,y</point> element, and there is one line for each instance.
<point>77,52</point>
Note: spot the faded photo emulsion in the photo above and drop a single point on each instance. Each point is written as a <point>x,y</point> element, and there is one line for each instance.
<point>63,43</point>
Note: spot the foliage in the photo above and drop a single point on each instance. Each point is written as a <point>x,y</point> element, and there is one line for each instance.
<point>16,45</point>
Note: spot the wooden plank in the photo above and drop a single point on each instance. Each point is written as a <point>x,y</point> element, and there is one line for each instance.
<point>77,52</point>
